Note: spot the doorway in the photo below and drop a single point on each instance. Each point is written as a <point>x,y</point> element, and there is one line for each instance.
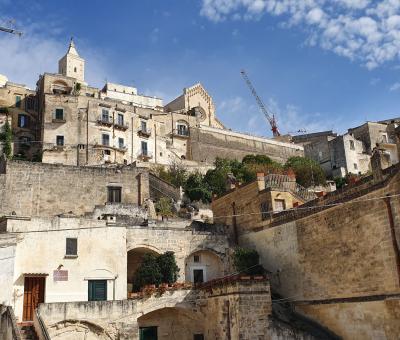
<point>33,295</point>
<point>148,333</point>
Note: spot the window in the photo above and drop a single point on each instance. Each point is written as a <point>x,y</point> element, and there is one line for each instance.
<point>264,210</point>
<point>17,101</point>
<point>107,152</point>
<point>355,166</point>
<point>144,148</point>
<point>182,130</point>
<point>148,333</point>
<point>105,139</point>
<point>75,69</point>
<point>60,140</point>
<point>352,145</point>
<point>71,248</point>
<point>114,195</point>
<point>198,275</point>
<point>105,115</point>
<point>143,126</point>
<point>198,336</point>
<point>279,205</point>
<point>120,119</point>
<point>97,290</point>
<point>196,258</point>
<point>30,103</point>
<point>22,121</point>
<point>121,143</point>
<point>59,115</point>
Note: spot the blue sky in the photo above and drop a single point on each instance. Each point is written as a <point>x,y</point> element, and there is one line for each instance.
<point>318,64</point>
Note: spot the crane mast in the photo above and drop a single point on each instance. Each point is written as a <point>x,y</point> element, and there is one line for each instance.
<point>270,117</point>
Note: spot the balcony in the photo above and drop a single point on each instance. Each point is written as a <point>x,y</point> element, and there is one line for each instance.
<point>144,132</point>
<point>105,120</point>
<point>182,133</point>
<point>122,148</point>
<point>121,125</point>
<point>144,155</point>
<point>58,119</point>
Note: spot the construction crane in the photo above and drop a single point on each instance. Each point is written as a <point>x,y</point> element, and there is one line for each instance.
<point>9,29</point>
<point>267,113</point>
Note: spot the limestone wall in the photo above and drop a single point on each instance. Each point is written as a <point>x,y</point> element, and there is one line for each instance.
<point>338,256</point>
<point>206,144</point>
<point>38,189</point>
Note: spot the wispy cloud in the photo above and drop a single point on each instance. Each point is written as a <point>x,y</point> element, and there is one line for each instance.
<point>395,87</point>
<point>24,58</point>
<point>362,30</point>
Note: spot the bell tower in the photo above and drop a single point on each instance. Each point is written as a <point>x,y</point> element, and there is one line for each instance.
<point>72,65</point>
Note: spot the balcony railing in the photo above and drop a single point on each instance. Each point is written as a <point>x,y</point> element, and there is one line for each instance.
<point>144,155</point>
<point>286,183</point>
<point>144,132</point>
<point>58,118</point>
<point>104,120</point>
<point>122,148</point>
<point>121,125</point>
<point>181,133</point>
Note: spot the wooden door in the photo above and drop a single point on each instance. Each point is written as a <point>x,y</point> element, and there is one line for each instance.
<point>33,295</point>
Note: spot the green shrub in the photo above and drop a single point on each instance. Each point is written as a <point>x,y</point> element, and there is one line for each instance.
<point>168,268</point>
<point>6,140</point>
<point>246,261</point>
<point>164,207</point>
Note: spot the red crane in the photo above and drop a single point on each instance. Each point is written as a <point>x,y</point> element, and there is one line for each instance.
<point>270,116</point>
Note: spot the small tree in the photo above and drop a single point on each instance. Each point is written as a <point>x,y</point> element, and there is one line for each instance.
<point>164,207</point>
<point>246,261</point>
<point>168,268</point>
<point>6,140</point>
<point>308,172</point>
<point>148,272</point>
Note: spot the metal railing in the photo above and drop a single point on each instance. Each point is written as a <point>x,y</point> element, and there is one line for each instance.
<point>287,183</point>
<point>145,154</point>
<point>144,131</point>
<point>181,132</point>
<point>104,119</point>
<point>121,125</point>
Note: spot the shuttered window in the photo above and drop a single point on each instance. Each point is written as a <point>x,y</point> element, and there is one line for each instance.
<point>71,247</point>
<point>114,195</point>
<point>97,290</point>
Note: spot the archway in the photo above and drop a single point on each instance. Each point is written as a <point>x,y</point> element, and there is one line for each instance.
<point>171,323</point>
<point>78,330</point>
<point>202,266</point>
<point>134,259</point>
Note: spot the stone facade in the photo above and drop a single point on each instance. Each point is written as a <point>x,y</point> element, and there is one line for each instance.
<point>338,261</point>
<point>75,124</point>
<point>37,189</point>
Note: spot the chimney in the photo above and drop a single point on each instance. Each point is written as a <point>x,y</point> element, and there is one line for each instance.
<point>376,164</point>
<point>261,181</point>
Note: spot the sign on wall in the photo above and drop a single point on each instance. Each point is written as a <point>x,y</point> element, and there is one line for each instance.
<point>60,275</point>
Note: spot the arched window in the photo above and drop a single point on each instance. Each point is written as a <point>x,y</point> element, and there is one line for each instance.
<point>75,69</point>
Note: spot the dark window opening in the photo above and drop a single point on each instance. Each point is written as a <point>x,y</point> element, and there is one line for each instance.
<point>148,333</point>
<point>71,248</point>
<point>264,211</point>
<point>97,290</point>
<point>114,195</point>
<point>198,275</point>
<point>144,148</point>
<point>17,101</point>
<point>105,139</point>
<point>60,140</point>
<point>107,152</point>
<point>120,119</point>
<point>59,115</point>
<point>121,143</point>
<point>22,121</point>
<point>196,258</point>
<point>198,336</point>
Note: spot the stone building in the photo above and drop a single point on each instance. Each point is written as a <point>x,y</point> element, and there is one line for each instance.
<point>335,259</point>
<point>351,152</point>
<point>71,239</point>
<point>75,124</point>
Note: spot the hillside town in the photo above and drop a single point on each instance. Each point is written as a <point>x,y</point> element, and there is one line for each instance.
<point>124,217</point>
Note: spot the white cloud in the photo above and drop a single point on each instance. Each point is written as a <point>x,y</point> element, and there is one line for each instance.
<point>362,30</point>
<point>24,58</point>
<point>395,87</point>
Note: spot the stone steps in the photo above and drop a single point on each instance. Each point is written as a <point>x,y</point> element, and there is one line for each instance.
<point>27,331</point>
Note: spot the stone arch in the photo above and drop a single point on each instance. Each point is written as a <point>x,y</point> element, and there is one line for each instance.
<point>134,259</point>
<point>173,323</point>
<point>72,329</point>
<point>205,263</point>
<point>60,86</point>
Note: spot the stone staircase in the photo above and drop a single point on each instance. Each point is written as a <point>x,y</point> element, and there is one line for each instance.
<point>27,331</point>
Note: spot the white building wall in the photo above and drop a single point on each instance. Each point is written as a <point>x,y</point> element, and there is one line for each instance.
<point>101,255</point>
